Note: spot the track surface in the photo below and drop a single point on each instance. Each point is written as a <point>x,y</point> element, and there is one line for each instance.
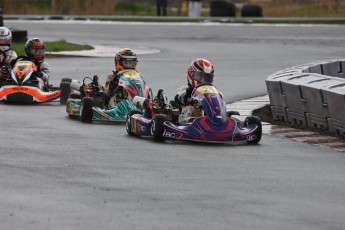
<point>58,173</point>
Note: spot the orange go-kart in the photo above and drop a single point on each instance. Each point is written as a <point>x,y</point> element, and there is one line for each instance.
<point>21,85</point>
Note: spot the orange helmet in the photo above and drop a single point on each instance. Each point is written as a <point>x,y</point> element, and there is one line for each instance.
<point>200,71</point>
<point>35,49</point>
<point>125,59</point>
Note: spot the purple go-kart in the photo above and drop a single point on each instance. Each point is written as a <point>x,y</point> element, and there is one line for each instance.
<point>212,123</point>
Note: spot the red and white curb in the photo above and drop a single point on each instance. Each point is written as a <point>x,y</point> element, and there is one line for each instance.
<point>247,106</point>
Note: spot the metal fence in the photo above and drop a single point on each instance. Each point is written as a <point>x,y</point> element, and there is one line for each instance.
<point>271,8</point>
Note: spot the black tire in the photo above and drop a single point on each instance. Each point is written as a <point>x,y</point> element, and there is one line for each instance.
<point>222,9</point>
<point>74,96</point>
<point>254,120</point>
<point>66,80</point>
<point>230,113</point>
<point>86,111</point>
<point>157,127</point>
<point>129,123</point>
<point>19,35</point>
<point>251,11</point>
<point>65,88</point>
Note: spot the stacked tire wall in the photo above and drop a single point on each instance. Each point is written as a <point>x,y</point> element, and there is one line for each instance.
<point>222,9</point>
<point>310,95</point>
<point>251,11</point>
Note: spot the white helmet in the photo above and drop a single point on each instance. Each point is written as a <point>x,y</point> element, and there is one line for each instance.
<point>5,38</point>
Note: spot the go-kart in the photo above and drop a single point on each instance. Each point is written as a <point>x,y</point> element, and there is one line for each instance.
<point>91,103</point>
<point>138,122</point>
<point>22,86</point>
<point>212,123</point>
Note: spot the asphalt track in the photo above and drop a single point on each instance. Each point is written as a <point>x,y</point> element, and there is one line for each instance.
<point>58,173</point>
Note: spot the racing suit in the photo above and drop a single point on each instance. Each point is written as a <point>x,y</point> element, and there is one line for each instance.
<point>111,82</point>
<point>184,99</point>
<point>5,63</point>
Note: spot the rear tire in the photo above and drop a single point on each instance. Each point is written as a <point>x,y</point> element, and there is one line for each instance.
<point>230,113</point>
<point>74,96</point>
<point>65,88</point>
<point>254,120</point>
<point>86,109</point>
<point>66,80</point>
<point>129,122</point>
<point>157,127</point>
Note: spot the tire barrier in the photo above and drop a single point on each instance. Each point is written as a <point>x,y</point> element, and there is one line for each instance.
<point>1,18</point>
<point>222,9</point>
<point>251,11</point>
<point>310,95</point>
<point>19,35</point>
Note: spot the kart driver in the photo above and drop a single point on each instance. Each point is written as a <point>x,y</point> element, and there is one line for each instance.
<point>35,51</point>
<point>200,71</point>
<point>124,59</point>
<point>5,46</point>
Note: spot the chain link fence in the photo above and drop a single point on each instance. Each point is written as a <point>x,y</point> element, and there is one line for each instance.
<point>271,8</point>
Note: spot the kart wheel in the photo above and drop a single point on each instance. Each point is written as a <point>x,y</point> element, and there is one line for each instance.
<point>129,123</point>
<point>74,96</point>
<point>254,120</point>
<point>66,80</point>
<point>230,113</point>
<point>86,109</point>
<point>65,91</point>
<point>157,127</point>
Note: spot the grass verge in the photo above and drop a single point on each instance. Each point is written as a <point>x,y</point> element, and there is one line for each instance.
<point>54,46</point>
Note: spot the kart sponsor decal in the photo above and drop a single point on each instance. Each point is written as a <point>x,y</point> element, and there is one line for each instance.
<point>251,137</point>
<point>20,89</point>
<point>132,75</point>
<point>134,125</point>
<point>170,134</point>
<point>207,89</point>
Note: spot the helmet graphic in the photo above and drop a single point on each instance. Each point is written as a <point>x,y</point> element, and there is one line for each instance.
<point>200,71</point>
<point>125,59</point>
<point>35,49</point>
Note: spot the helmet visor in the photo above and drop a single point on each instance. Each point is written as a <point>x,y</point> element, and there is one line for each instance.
<point>5,41</point>
<point>129,63</point>
<point>38,53</point>
<point>203,77</point>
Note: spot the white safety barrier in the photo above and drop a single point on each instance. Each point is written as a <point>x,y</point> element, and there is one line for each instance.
<point>310,95</point>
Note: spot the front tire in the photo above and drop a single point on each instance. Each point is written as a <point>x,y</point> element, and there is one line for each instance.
<point>157,127</point>
<point>86,109</point>
<point>65,88</point>
<point>129,122</point>
<point>254,120</point>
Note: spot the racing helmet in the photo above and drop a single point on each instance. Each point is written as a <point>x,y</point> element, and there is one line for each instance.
<point>200,71</point>
<point>5,39</point>
<point>125,59</point>
<point>35,49</point>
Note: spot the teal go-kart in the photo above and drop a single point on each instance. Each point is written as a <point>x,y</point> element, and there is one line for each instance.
<point>88,100</point>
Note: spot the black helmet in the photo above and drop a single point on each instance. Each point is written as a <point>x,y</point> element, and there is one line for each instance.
<point>35,49</point>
